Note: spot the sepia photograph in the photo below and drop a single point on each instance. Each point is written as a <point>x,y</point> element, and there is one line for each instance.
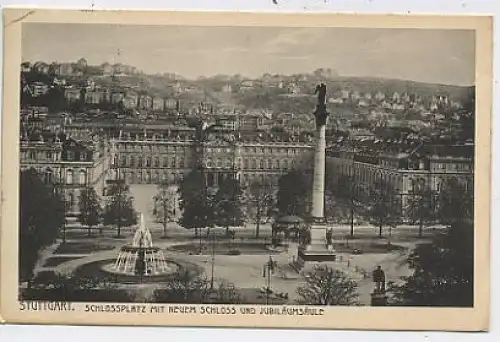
<point>292,168</point>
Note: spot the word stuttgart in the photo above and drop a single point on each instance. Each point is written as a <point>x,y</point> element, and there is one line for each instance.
<point>45,306</point>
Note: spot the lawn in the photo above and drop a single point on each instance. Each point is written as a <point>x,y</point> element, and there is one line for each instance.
<point>224,248</point>
<point>57,260</point>
<point>367,247</point>
<point>81,248</point>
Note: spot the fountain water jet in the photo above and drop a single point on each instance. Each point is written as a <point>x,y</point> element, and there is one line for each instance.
<point>142,257</point>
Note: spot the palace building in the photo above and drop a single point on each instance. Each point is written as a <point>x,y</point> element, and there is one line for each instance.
<point>404,169</point>
<point>167,154</point>
<point>70,165</point>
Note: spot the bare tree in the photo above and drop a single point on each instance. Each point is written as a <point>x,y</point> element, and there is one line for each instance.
<point>90,208</point>
<point>164,205</point>
<point>261,202</point>
<point>328,286</point>
<point>382,211</point>
<point>420,209</point>
<point>195,289</point>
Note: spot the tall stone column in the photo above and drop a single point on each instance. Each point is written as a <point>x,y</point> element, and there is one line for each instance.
<point>315,248</point>
<point>318,189</point>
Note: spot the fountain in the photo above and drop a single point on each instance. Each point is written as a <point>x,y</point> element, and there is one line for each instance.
<point>142,258</point>
<point>140,262</point>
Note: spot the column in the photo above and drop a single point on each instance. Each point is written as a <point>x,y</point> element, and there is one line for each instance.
<point>318,190</point>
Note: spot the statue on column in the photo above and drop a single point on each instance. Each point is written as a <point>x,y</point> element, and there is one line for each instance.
<point>320,113</point>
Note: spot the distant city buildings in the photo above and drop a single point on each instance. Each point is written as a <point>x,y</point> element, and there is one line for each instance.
<point>158,145</point>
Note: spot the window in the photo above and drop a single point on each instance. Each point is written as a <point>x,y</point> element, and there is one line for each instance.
<point>71,155</point>
<point>83,156</point>
<point>165,162</point>
<point>48,155</point>
<point>148,161</point>
<point>83,177</point>
<point>132,161</point>
<point>71,201</point>
<point>254,163</point>
<point>48,176</point>
<point>157,162</point>
<point>181,162</point>
<point>69,176</point>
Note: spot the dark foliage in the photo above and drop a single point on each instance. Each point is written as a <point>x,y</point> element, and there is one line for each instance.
<point>49,286</point>
<point>444,269</point>
<point>195,203</point>
<point>228,203</point>
<point>120,210</point>
<point>293,194</point>
<point>90,208</point>
<point>41,215</point>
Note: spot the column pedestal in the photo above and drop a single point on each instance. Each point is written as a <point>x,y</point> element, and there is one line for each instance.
<point>378,298</point>
<point>317,250</point>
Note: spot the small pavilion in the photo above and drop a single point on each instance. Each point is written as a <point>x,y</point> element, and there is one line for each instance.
<point>286,228</point>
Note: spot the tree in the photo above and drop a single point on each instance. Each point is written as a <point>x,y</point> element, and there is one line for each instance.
<point>383,210</point>
<point>455,202</point>
<point>420,208</point>
<point>344,191</point>
<point>443,270</point>
<point>120,209</point>
<point>41,215</point>
<point>51,286</point>
<point>164,203</point>
<point>196,290</point>
<point>261,202</point>
<point>328,286</point>
<point>292,196</point>
<point>90,208</point>
<point>195,202</point>
<point>228,204</point>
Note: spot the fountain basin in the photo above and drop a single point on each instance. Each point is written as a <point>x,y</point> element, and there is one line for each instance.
<point>103,269</point>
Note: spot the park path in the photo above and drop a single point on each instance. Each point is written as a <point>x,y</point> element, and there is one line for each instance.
<point>246,271</point>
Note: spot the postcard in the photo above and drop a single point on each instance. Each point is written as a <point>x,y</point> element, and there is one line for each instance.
<point>244,169</point>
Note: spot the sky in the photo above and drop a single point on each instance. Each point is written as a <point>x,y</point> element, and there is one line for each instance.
<point>436,56</point>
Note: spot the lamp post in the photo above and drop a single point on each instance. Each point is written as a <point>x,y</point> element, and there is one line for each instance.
<point>212,238</point>
<point>64,205</point>
<point>269,267</point>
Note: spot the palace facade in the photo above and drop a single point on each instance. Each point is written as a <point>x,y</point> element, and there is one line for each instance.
<point>167,154</point>
<point>68,164</point>
<point>430,165</point>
